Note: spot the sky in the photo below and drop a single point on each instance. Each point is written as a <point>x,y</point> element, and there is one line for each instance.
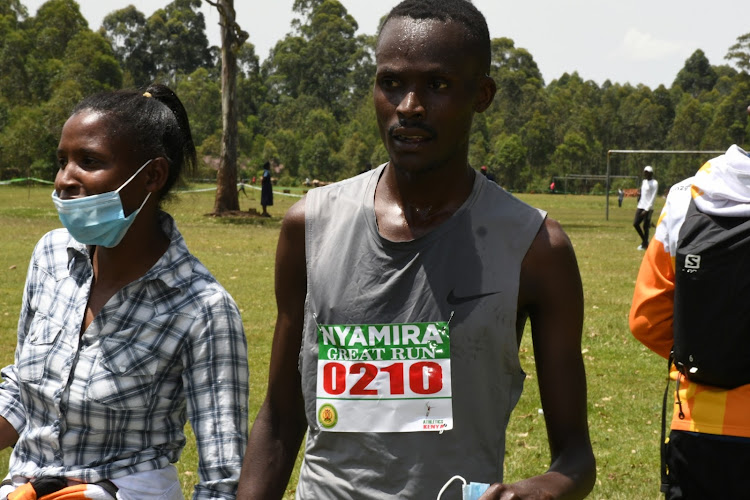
<point>624,41</point>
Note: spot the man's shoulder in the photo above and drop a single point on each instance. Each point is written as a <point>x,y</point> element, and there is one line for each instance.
<point>340,191</point>
<point>505,201</point>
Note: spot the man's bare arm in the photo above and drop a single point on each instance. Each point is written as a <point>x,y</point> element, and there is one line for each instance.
<point>8,434</point>
<point>280,424</point>
<point>551,296</point>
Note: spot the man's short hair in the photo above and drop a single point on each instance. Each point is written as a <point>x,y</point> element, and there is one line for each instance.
<point>460,11</point>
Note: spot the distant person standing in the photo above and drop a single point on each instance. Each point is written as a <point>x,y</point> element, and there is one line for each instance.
<point>645,208</point>
<point>620,196</point>
<point>242,187</point>
<point>266,191</point>
<point>487,174</point>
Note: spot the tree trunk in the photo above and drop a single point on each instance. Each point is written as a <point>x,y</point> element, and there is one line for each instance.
<point>232,38</point>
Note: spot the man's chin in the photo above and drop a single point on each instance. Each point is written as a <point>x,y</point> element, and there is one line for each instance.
<point>415,166</point>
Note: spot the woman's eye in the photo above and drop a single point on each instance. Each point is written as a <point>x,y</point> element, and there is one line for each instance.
<point>89,162</point>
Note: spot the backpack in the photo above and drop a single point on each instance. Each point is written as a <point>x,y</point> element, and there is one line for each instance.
<point>712,299</point>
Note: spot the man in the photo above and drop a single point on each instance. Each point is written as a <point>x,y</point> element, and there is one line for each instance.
<point>402,295</point>
<point>708,451</point>
<point>487,174</point>
<point>645,208</point>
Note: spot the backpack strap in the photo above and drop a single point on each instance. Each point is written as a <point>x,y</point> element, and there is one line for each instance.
<point>663,446</point>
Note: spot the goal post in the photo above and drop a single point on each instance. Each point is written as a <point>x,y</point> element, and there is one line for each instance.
<point>644,151</point>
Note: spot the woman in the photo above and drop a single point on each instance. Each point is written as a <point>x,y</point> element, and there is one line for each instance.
<point>266,190</point>
<point>123,334</point>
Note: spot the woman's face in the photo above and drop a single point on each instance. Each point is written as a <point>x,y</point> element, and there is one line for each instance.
<point>94,160</point>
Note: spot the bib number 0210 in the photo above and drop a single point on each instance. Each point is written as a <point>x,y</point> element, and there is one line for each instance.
<point>424,377</point>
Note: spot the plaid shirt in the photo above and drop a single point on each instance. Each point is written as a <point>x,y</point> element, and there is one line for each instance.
<point>115,400</point>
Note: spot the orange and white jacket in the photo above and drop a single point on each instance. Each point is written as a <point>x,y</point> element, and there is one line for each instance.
<point>721,187</point>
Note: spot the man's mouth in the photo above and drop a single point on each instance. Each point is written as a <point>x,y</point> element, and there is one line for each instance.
<point>411,139</point>
<point>411,134</point>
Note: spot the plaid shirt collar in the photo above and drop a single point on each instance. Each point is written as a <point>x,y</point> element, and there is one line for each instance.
<point>174,268</point>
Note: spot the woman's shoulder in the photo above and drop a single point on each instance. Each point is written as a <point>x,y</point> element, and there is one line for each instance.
<point>51,251</point>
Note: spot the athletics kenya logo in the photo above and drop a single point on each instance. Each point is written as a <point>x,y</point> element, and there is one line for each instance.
<point>328,416</point>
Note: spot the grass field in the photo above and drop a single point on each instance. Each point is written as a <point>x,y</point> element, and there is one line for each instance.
<point>625,380</point>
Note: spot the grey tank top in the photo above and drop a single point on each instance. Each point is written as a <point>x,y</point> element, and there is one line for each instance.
<point>469,267</point>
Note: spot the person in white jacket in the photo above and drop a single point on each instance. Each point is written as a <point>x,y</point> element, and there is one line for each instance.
<point>645,208</point>
<point>708,451</point>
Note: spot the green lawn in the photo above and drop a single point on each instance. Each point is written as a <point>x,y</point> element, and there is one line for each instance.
<point>625,380</point>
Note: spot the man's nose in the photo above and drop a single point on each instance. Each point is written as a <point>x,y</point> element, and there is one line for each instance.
<point>411,105</point>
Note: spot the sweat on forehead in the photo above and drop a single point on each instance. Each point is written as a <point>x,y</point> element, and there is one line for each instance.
<point>462,12</point>
<point>406,32</point>
<point>427,40</point>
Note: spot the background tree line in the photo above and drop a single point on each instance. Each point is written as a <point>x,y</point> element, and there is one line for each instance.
<point>308,106</point>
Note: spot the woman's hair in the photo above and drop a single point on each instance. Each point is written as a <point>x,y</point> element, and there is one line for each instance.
<point>155,120</point>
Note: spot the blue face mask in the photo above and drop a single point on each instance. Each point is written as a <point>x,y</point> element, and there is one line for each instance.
<point>98,219</point>
<point>470,491</point>
<point>473,491</point>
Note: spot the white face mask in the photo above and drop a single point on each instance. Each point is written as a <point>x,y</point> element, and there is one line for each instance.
<point>98,219</point>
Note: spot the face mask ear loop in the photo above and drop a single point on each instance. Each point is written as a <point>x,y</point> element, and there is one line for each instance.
<point>133,177</point>
<point>445,486</point>
<point>144,201</point>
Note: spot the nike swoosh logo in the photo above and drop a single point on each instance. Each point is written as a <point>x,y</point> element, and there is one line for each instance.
<point>454,300</point>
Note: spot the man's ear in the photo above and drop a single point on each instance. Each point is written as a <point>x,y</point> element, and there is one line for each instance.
<point>157,173</point>
<point>487,91</point>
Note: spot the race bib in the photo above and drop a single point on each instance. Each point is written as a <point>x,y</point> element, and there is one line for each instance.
<point>384,378</point>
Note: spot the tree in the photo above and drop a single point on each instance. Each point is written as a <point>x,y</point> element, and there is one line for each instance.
<point>697,75</point>
<point>251,90</point>
<point>232,39</point>
<point>510,157</point>
<point>27,145</point>
<point>54,26</point>
<point>315,156</point>
<point>200,93</point>
<point>127,31</point>
<point>90,62</point>
<point>14,9</point>
<point>569,155</point>
<point>642,120</point>
<point>538,139</point>
<point>573,105</point>
<point>739,53</point>
<point>519,84</point>
<point>177,39</point>
<point>14,48</point>
<point>690,126</point>
<point>321,58</point>
<point>729,120</point>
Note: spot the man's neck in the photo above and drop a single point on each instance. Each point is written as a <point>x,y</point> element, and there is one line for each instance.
<point>410,205</point>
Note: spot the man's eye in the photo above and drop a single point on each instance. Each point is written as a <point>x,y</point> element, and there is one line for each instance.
<point>61,162</point>
<point>388,83</point>
<point>439,85</point>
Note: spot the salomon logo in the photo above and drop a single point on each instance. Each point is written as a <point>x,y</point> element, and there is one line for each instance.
<point>692,261</point>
